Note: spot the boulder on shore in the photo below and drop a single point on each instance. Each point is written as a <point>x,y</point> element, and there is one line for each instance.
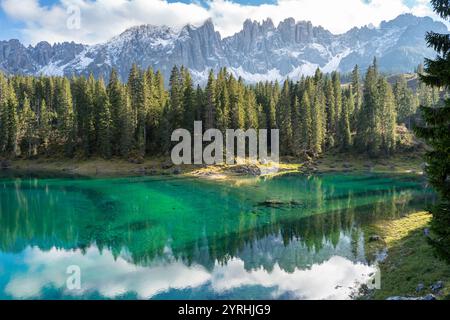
<point>374,238</point>
<point>250,170</point>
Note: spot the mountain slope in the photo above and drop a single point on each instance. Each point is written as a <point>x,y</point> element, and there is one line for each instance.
<point>260,51</point>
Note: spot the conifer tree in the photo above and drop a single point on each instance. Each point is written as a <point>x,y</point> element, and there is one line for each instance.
<point>237,114</point>
<point>337,103</point>
<point>330,112</point>
<point>176,98</point>
<point>3,113</point>
<point>104,123</point>
<point>28,129</point>
<point>345,131</point>
<point>199,104</point>
<point>117,106</point>
<point>138,100</point>
<point>64,114</point>
<point>387,117</point>
<point>10,121</point>
<point>188,102</point>
<point>222,98</point>
<point>271,114</point>
<point>405,100</point>
<point>285,119</point>
<point>251,110</point>
<point>210,102</point>
<point>297,133</point>
<point>306,123</point>
<point>318,121</point>
<point>126,125</point>
<point>368,131</point>
<point>436,130</point>
<point>358,94</point>
<point>44,126</point>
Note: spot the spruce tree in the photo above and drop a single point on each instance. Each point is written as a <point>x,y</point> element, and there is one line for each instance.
<point>126,124</point>
<point>436,130</point>
<point>188,107</point>
<point>337,102</point>
<point>387,117</point>
<point>104,123</point>
<point>306,123</point>
<point>330,112</point>
<point>3,114</point>
<point>28,129</point>
<point>65,118</point>
<point>10,121</point>
<point>117,106</point>
<point>237,113</point>
<point>83,97</point>
<point>222,98</point>
<point>199,104</point>
<point>250,109</point>
<point>210,102</point>
<point>176,98</point>
<point>368,130</point>
<point>358,94</point>
<point>44,126</point>
<point>318,121</point>
<point>138,99</point>
<point>272,114</point>
<point>297,134</point>
<point>405,101</point>
<point>285,120</point>
<point>344,127</point>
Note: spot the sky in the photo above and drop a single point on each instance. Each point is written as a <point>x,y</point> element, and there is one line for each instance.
<point>96,21</point>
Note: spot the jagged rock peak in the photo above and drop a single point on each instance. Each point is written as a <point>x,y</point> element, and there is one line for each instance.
<point>259,51</point>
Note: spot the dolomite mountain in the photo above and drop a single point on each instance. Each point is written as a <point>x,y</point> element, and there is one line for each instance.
<point>260,51</point>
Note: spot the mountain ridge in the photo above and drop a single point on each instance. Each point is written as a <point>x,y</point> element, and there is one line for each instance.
<point>260,51</point>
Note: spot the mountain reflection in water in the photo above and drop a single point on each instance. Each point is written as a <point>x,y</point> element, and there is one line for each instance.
<point>188,239</point>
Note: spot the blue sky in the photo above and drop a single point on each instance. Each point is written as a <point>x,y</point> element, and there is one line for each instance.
<point>33,20</point>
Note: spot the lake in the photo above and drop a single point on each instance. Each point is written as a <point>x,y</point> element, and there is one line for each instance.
<point>289,237</point>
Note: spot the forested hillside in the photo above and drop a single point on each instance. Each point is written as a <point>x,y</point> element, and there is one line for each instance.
<point>84,117</point>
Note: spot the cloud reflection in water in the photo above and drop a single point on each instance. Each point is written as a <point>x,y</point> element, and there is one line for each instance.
<point>112,278</point>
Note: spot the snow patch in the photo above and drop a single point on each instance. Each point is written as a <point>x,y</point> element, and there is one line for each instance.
<point>82,61</point>
<point>334,63</point>
<point>271,75</point>
<point>306,69</point>
<point>53,69</point>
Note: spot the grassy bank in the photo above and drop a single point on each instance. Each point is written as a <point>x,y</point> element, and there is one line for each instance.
<point>403,163</point>
<point>94,167</point>
<point>399,163</point>
<point>411,262</point>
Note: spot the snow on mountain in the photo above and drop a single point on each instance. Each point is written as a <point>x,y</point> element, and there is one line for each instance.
<point>259,52</point>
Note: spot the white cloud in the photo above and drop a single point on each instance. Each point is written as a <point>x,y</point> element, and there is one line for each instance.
<point>112,277</point>
<point>103,19</point>
<point>100,272</point>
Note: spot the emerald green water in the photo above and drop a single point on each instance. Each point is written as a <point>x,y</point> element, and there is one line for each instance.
<point>178,238</point>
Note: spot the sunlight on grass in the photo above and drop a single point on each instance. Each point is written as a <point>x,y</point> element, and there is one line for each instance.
<point>411,259</point>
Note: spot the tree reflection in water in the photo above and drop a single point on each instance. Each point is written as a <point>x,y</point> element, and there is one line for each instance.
<point>186,233</point>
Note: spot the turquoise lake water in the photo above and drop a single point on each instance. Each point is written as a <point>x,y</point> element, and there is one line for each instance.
<point>290,237</point>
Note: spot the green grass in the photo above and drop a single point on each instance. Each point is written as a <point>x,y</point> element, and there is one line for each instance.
<point>399,163</point>
<point>330,162</point>
<point>411,259</point>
